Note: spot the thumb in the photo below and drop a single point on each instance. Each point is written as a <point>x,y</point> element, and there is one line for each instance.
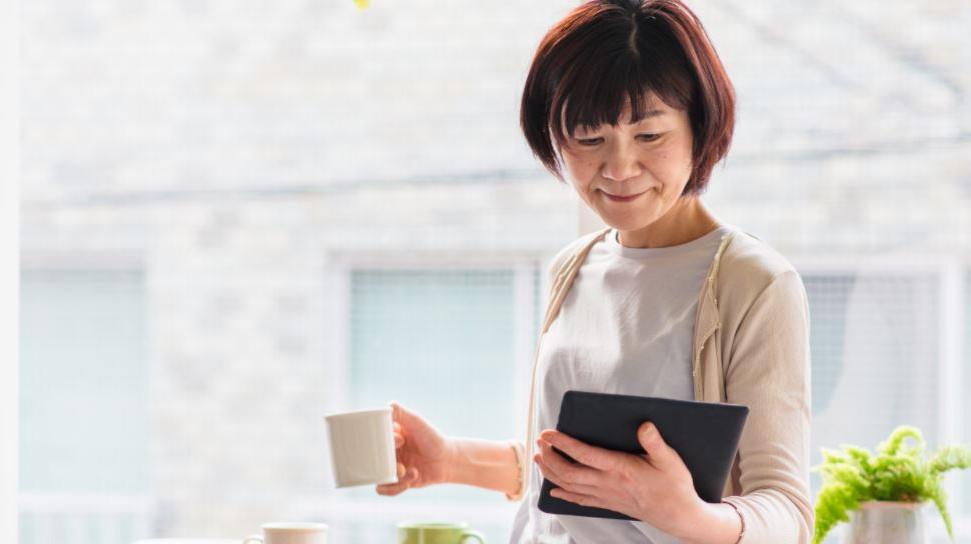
<point>659,454</point>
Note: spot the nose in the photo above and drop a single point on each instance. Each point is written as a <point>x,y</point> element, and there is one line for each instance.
<point>621,163</point>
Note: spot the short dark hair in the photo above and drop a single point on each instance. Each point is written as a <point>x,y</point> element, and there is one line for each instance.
<point>606,52</point>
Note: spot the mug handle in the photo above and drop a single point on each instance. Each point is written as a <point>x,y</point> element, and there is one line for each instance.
<point>253,538</point>
<point>466,535</point>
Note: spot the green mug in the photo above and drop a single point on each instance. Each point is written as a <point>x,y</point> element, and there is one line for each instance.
<point>437,533</point>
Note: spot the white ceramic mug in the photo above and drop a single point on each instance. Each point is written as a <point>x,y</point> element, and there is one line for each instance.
<point>362,447</point>
<point>290,533</point>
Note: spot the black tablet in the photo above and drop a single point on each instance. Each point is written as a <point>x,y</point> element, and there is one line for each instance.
<point>704,434</point>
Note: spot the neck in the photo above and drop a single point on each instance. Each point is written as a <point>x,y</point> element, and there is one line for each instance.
<point>688,220</point>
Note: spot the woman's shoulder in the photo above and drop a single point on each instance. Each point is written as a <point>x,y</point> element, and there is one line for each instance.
<point>748,265</point>
<point>748,254</point>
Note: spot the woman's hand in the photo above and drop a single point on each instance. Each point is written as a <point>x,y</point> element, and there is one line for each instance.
<point>655,487</point>
<point>424,455</point>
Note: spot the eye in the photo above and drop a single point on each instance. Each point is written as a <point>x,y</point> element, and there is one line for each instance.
<point>595,141</point>
<point>590,141</point>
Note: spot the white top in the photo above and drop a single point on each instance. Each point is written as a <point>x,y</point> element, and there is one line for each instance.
<point>625,327</point>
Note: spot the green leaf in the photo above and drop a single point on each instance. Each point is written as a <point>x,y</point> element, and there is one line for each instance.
<point>900,470</point>
<point>951,457</point>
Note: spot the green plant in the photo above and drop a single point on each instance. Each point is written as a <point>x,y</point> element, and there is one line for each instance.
<point>899,471</point>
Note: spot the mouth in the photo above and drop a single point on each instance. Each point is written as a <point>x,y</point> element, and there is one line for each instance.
<point>621,198</point>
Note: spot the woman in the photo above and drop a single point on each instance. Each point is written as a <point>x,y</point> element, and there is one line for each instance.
<point>631,99</point>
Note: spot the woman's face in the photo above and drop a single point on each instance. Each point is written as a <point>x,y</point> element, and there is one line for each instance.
<point>649,161</point>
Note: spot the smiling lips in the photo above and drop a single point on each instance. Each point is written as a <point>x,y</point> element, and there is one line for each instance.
<point>616,198</point>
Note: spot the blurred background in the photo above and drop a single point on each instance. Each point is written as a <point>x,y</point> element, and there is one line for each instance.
<point>238,216</point>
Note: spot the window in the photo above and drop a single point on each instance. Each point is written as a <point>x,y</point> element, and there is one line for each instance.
<point>84,412</point>
<point>446,335</point>
<point>874,344</point>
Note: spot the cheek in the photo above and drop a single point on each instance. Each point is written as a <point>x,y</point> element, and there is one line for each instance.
<point>663,167</point>
<point>672,167</point>
<point>579,162</point>
<point>581,170</point>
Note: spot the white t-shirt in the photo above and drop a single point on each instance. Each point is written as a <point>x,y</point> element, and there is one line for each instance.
<point>625,327</point>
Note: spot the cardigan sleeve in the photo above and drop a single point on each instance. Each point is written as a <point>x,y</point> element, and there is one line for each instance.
<point>769,371</point>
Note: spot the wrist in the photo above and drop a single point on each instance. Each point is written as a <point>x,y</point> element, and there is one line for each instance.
<point>453,460</point>
<point>482,463</point>
<point>707,523</point>
<point>691,521</point>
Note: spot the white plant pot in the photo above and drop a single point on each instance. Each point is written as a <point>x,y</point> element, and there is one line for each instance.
<point>886,522</point>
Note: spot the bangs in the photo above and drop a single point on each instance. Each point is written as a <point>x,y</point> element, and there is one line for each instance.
<point>640,72</point>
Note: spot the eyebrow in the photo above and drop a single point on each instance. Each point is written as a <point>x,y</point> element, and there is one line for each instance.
<point>651,113</point>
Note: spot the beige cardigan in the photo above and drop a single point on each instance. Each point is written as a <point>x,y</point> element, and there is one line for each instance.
<point>751,347</point>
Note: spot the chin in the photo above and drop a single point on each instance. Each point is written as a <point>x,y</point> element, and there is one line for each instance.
<point>629,222</point>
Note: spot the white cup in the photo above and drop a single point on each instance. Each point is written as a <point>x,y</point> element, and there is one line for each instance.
<point>362,447</point>
<point>290,533</point>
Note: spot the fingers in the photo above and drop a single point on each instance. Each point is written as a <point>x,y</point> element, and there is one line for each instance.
<point>586,454</point>
<point>565,472</point>
<point>398,418</point>
<point>407,421</point>
<point>405,480</point>
<point>560,483</point>
<point>578,498</point>
<point>400,415</point>
<point>399,435</point>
